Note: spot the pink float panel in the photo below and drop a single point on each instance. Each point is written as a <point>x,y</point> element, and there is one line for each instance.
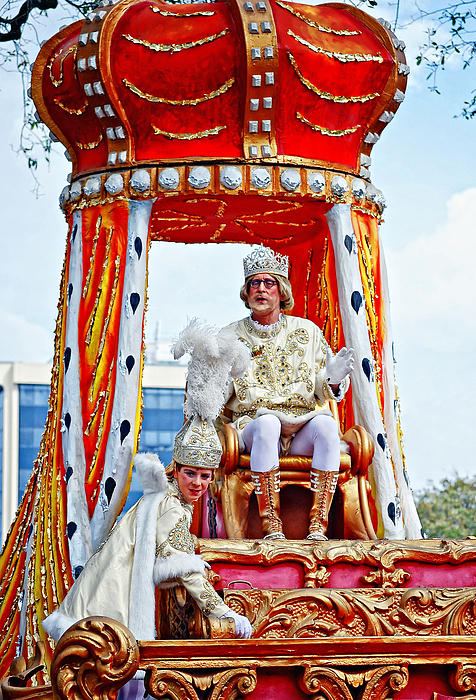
<point>424,575</point>
<point>279,576</point>
<point>424,681</point>
<point>277,684</point>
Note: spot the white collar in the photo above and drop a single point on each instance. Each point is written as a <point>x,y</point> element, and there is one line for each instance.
<point>266,329</point>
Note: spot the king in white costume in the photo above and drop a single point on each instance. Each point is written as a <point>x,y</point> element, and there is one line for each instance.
<point>280,404</point>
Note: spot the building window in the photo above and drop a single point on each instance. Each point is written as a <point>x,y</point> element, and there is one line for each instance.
<point>162,419</point>
<point>33,411</point>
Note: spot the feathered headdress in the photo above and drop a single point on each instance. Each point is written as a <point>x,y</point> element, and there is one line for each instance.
<point>215,357</point>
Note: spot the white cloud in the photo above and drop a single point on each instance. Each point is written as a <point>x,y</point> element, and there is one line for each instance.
<point>433,276</point>
<point>23,341</point>
<point>432,286</point>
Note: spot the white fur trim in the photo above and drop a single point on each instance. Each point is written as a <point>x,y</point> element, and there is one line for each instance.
<point>57,623</point>
<point>142,594</point>
<point>151,473</point>
<point>176,566</point>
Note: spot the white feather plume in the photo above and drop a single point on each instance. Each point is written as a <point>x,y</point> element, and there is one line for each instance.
<point>214,358</point>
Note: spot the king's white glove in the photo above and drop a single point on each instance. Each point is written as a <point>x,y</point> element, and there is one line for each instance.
<point>242,624</point>
<point>340,365</point>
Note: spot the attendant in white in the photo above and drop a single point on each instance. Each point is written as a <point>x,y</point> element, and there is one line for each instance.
<point>152,545</point>
<point>280,404</point>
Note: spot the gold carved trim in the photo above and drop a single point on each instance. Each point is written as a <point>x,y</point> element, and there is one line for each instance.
<point>189,136</point>
<point>323,130</point>
<point>385,559</point>
<point>167,13</point>
<point>316,25</point>
<point>163,100</point>
<point>227,684</point>
<point>335,684</point>
<point>93,659</point>
<point>284,614</point>
<point>327,95</point>
<point>174,48</point>
<point>463,677</point>
<point>338,55</point>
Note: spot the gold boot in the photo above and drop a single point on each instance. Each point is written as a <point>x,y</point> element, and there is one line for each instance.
<point>323,485</point>
<point>267,486</point>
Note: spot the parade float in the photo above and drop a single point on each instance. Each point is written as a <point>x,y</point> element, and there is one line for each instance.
<point>247,122</point>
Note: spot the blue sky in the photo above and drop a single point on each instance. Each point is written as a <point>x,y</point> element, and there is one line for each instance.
<point>425,166</point>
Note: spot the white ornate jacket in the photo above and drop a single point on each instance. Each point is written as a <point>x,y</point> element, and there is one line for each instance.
<point>287,374</point>
<point>150,546</point>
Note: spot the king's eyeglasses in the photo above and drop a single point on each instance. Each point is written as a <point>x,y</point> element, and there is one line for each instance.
<point>267,283</point>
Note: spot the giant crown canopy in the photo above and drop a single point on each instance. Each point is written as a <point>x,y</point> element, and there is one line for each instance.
<point>305,91</point>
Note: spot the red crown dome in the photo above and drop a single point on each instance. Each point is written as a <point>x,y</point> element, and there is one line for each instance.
<point>146,82</point>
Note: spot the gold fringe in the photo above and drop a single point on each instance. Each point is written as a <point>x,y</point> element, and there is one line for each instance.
<point>117,264</point>
<point>102,394</point>
<point>101,423</point>
<point>328,95</point>
<point>111,304</point>
<point>174,48</point>
<point>93,255</point>
<point>323,130</point>
<point>163,100</point>
<point>311,23</point>
<point>99,291</point>
<point>342,57</point>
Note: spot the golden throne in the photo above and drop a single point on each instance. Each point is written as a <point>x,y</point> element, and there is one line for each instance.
<point>350,516</point>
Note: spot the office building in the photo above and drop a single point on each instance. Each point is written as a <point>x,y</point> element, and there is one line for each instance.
<point>24,392</point>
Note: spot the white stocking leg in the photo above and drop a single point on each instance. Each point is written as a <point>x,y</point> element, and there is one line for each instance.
<point>261,438</point>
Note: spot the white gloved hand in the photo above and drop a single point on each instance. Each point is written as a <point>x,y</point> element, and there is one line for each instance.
<point>242,624</point>
<point>340,365</point>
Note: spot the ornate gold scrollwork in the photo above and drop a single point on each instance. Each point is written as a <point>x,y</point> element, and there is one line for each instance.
<point>277,614</point>
<point>14,686</point>
<point>233,683</point>
<point>451,611</point>
<point>225,684</point>
<point>93,659</point>
<point>385,680</point>
<point>463,678</point>
<point>173,684</point>
<point>382,557</point>
<point>320,681</point>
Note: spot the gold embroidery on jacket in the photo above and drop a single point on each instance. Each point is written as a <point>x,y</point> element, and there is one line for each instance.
<point>273,372</point>
<point>211,598</point>
<point>179,537</point>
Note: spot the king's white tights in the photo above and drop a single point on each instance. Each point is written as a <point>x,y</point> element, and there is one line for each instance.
<point>319,438</point>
